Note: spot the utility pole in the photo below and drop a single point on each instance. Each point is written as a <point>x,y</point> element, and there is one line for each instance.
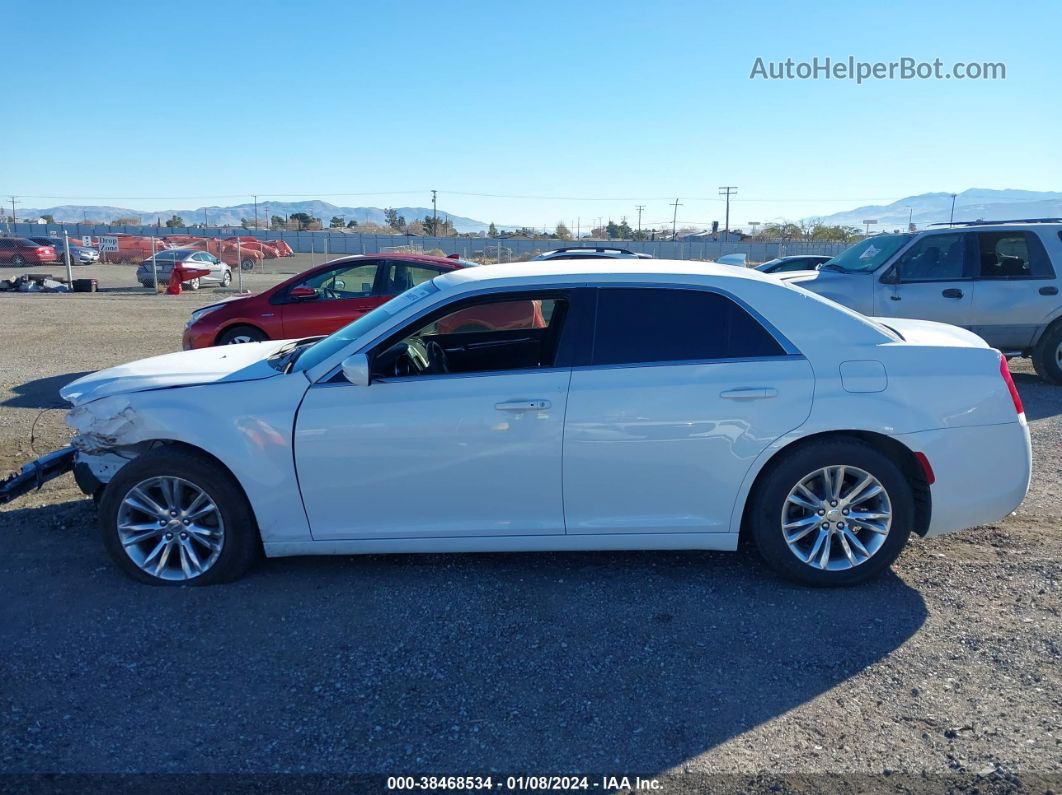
<point>674,219</point>
<point>12,216</point>
<point>728,191</point>
<point>639,208</point>
<point>256,213</point>
<point>950,220</point>
<point>204,218</point>
<point>434,216</point>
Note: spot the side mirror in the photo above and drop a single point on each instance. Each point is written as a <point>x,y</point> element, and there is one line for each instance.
<point>302,293</point>
<point>356,369</point>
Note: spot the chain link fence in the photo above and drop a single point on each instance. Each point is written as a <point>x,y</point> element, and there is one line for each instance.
<point>283,251</point>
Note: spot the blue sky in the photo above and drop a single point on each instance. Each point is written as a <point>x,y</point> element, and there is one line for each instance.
<point>634,102</point>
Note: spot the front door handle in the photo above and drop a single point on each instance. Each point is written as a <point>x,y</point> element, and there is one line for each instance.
<point>952,292</point>
<point>1048,291</point>
<point>755,393</point>
<point>523,405</point>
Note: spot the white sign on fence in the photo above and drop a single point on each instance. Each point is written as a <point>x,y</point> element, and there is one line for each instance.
<point>108,243</point>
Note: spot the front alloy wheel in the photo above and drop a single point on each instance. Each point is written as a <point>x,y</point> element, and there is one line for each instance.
<point>170,528</point>
<point>176,517</point>
<point>836,518</point>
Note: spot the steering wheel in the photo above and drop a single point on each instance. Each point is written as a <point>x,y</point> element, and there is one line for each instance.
<point>437,360</point>
<point>410,359</point>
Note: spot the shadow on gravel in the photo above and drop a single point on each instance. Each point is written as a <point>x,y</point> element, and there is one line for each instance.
<point>42,393</point>
<point>435,663</point>
<point>1039,399</point>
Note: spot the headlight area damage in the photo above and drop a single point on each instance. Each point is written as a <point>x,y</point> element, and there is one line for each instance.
<point>102,444</point>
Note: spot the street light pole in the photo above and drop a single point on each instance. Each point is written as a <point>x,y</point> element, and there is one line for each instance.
<point>256,213</point>
<point>434,216</point>
<point>951,220</point>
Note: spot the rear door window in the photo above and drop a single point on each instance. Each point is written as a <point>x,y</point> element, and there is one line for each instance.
<point>1012,255</point>
<point>644,325</point>
<point>402,276</point>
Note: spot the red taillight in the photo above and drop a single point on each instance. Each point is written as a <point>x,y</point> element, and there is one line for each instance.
<point>1005,372</point>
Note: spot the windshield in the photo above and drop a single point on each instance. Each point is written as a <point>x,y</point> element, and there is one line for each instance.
<point>867,255</point>
<point>313,356</point>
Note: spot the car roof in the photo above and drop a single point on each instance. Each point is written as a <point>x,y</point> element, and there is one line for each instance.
<point>545,270</point>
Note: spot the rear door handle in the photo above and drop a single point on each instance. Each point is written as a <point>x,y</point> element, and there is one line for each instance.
<point>523,405</point>
<point>952,292</point>
<point>1048,291</point>
<point>756,393</point>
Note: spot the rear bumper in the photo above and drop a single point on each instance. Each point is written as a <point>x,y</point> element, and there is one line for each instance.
<point>982,473</point>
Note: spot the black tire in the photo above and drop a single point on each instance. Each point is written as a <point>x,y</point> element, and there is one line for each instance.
<point>1045,355</point>
<point>193,284</point>
<point>241,543</point>
<point>231,335</point>
<point>18,260</point>
<point>768,500</point>
<point>226,280</point>
<point>247,264</point>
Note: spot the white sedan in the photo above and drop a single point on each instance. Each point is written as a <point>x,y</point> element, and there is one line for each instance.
<point>576,405</point>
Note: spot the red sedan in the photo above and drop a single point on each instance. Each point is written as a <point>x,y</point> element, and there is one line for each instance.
<point>19,251</point>
<point>318,301</point>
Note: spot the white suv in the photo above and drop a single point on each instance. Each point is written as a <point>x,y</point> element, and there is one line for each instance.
<point>1001,280</point>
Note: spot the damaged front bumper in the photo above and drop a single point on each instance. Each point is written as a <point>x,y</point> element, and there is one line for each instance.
<point>36,473</point>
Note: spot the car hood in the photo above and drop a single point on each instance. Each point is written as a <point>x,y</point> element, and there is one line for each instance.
<point>225,363</point>
<point>800,277</point>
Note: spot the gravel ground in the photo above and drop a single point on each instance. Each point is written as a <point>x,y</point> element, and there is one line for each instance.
<point>682,664</point>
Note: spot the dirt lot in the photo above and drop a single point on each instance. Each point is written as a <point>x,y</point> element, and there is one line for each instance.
<point>654,663</point>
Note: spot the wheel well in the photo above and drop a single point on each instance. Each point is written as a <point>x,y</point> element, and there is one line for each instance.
<point>897,451</point>
<point>232,326</point>
<point>1054,324</point>
<point>199,451</point>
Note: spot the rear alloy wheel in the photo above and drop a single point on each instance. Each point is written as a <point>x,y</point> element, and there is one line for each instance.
<point>1047,355</point>
<point>247,264</point>
<point>193,284</point>
<point>834,512</point>
<point>18,260</point>
<point>172,517</point>
<point>238,335</point>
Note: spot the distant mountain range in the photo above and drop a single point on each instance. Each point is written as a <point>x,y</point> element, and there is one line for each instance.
<point>231,216</point>
<point>927,208</point>
<point>970,205</point>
